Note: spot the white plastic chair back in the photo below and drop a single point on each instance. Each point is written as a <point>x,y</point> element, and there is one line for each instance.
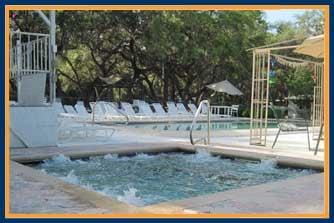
<point>99,108</point>
<point>59,107</point>
<point>172,109</point>
<point>69,109</point>
<point>193,108</point>
<point>159,109</point>
<point>127,107</point>
<point>81,108</point>
<point>145,108</point>
<point>182,109</point>
<point>110,110</point>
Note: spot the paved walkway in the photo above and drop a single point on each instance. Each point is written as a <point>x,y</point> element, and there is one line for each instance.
<point>300,195</point>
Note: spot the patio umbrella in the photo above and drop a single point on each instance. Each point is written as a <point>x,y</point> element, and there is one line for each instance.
<point>312,46</point>
<point>225,87</point>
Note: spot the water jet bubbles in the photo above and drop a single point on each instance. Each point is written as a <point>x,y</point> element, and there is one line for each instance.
<point>130,196</point>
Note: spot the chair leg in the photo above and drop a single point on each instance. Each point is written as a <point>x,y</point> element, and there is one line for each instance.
<point>279,131</point>
<point>318,141</point>
<point>308,139</point>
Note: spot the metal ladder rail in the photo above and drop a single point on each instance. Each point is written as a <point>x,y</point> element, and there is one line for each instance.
<point>198,112</point>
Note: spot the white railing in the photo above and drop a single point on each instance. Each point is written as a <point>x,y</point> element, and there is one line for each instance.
<point>221,110</point>
<point>30,54</point>
<point>198,112</point>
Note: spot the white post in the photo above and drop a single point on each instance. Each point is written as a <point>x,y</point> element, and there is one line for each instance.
<point>53,76</point>
<point>19,68</point>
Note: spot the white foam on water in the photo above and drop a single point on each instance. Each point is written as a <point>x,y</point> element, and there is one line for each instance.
<point>71,178</point>
<point>202,155</point>
<point>130,197</point>
<point>60,159</point>
<point>267,165</point>
<point>80,161</point>
<point>143,156</point>
<point>110,156</point>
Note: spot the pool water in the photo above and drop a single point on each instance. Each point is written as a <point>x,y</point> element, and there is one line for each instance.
<point>198,126</point>
<point>147,179</point>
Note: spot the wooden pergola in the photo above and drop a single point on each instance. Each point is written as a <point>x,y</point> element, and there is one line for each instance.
<point>262,57</point>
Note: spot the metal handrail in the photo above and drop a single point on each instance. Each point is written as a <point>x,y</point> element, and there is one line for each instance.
<point>198,112</point>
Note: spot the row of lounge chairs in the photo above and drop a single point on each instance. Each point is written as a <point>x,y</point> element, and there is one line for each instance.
<point>113,112</point>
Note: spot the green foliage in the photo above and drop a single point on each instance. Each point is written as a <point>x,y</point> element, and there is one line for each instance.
<point>161,55</point>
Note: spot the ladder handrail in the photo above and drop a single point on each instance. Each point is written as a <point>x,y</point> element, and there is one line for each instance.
<point>198,112</point>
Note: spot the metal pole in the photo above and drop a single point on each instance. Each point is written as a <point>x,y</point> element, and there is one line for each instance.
<point>267,100</point>
<point>209,121</point>
<point>43,16</point>
<point>19,67</point>
<point>53,77</point>
<point>252,106</point>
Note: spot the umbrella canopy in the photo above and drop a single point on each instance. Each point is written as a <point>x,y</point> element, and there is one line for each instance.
<point>225,87</point>
<point>313,46</point>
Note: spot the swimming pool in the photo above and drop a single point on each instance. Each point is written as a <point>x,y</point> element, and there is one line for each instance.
<point>148,179</point>
<point>185,126</point>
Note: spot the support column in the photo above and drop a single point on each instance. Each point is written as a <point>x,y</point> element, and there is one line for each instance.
<point>53,75</point>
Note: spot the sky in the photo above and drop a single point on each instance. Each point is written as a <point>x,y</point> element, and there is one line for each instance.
<point>285,15</point>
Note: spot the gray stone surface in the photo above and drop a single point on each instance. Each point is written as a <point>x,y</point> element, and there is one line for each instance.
<point>299,195</point>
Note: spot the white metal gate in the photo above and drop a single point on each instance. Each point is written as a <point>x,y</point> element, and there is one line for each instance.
<point>30,64</point>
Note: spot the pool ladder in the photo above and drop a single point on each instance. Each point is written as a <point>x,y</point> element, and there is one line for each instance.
<point>205,139</point>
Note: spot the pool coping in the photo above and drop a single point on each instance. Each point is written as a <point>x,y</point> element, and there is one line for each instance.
<point>284,158</point>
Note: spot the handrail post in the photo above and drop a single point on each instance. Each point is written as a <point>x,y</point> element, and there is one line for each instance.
<point>208,121</point>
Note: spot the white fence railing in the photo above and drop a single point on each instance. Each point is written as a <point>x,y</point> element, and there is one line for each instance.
<point>221,110</point>
<point>30,54</point>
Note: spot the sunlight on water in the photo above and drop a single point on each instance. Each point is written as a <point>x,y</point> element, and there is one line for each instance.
<point>147,179</point>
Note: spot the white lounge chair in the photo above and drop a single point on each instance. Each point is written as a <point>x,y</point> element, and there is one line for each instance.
<point>173,111</point>
<point>97,108</point>
<point>235,110</point>
<point>159,110</point>
<point>133,116</point>
<point>59,107</point>
<point>69,109</point>
<point>81,109</point>
<point>144,107</point>
<point>112,111</point>
<point>192,108</point>
<point>182,110</point>
<point>127,107</point>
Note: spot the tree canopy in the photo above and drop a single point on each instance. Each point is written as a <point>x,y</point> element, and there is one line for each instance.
<point>160,55</point>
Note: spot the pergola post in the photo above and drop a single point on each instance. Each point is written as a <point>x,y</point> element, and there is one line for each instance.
<point>259,97</point>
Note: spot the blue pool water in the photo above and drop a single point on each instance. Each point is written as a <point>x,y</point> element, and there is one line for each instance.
<point>185,126</point>
<point>147,179</point>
